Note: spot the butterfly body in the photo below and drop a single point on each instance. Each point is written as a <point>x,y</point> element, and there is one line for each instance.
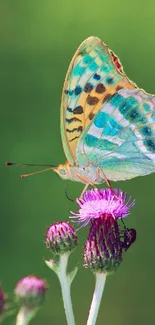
<point>107,122</point>
<point>86,174</point>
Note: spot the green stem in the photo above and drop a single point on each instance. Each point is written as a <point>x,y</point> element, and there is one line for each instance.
<point>94,309</point>
<point>24,315</point>
<point>65,288</point>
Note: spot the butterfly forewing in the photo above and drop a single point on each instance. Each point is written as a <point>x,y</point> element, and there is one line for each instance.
<point>94,75</point>
<point>121,138</point>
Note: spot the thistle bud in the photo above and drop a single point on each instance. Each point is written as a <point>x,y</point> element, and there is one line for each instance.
<point>30,291</point>
<point>61,238</point>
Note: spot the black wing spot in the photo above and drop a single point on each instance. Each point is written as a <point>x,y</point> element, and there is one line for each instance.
<point>146,131</point>
<point>150,144</point>
<point>76,110</point>
<point>79,129</point>
<point>107,97</point>
<point>92,100</point>
<point>69,110</point>
<point>74,138</point>
<point>118,88</point>
<point>88,87</point>
<point>109,80</point>
<point>73,119</point>
<point>100,89</point>
<point>91,116</point>
<point>78,90</point>
<point>97,76</point>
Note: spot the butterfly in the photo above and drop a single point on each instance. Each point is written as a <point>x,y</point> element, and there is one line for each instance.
<point>107,122</point>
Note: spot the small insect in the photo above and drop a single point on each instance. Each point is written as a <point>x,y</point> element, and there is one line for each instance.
<point>129,238</point>
<point>107,122</point>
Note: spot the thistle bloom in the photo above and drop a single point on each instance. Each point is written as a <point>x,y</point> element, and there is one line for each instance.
<point>95,203</point>
<point>30,291</point>
<point>104,246</point>
<point>61,238</point>
<point>102,208</point>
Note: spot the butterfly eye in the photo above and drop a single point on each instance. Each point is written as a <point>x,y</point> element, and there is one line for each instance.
<point>62,171</point>
<point>84,168</point>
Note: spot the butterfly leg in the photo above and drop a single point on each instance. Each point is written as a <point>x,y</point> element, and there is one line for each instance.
<point>99,172</point>
<point>84,190</point>
<point>86,181</point>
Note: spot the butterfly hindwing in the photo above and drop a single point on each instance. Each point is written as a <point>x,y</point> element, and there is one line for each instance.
<point>94,75</point>
<point>121,138</point>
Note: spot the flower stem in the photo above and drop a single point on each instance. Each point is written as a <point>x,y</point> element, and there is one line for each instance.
<point>65,288</point>
<point>94,309</point>
<point>24,315</point>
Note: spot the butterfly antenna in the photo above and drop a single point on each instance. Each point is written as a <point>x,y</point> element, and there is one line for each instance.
<point>32,165</point>
<point>35,173</point>
<point>8,163</point>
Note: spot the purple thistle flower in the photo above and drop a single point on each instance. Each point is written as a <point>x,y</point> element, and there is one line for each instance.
<point>106,243</point>
<point>61,238</point>
<point>103,247</point>
<point>30,291</point>
<point>95,203</point>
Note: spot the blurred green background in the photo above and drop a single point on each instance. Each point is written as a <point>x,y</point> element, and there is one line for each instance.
<point>37,41</point>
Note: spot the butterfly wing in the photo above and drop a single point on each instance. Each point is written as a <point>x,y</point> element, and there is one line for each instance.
<point>94,74</point>
<point>121,138</point>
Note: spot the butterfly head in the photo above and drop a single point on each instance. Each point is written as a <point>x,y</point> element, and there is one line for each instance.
<point>64,171</point>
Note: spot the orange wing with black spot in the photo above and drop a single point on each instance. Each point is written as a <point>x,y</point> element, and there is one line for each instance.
<point>93,76</point>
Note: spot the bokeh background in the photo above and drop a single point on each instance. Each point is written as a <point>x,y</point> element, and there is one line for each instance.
<point>37,41</point>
